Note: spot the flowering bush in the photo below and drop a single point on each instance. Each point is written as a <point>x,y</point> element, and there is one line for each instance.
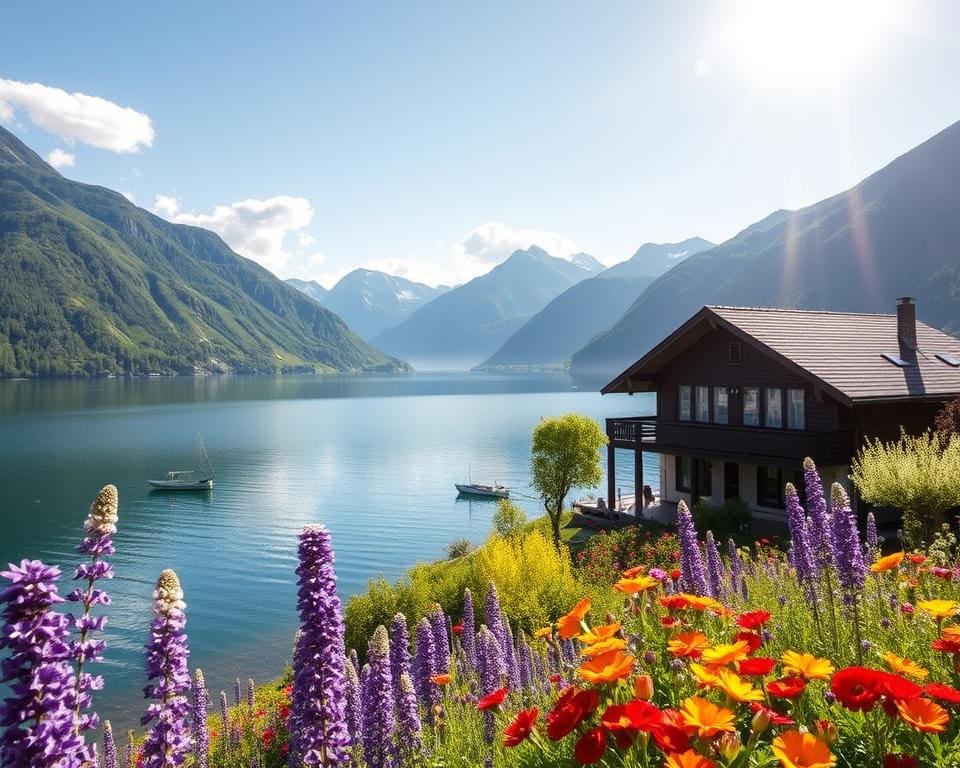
<point>607,553</point>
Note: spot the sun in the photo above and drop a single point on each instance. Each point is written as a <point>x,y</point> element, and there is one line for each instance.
<point>808,41</point>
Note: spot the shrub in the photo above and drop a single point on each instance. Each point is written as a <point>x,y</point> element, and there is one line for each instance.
<point>459,547</point>
<point>728,520</point>
<point>947,421</point>
<point>607,553</point>
<point>509,519</point>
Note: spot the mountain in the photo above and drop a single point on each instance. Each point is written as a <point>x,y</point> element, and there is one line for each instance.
<point>656,258</point>
<point>90,284</point>
<point>896,233</point>
<point>312,288</point>
<point>550,337</point>
<point>587,262</point>
<point>371,301</point>
<point>468,323</point>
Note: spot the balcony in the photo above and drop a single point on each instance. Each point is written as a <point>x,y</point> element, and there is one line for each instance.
<point>627,432</point>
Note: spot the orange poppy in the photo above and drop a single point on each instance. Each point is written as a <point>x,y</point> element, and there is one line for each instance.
<point>568,626</point>
<point>688,759</point>
<point>597,634</point>
<point>688,644</point>
<point>635,585</point>
<point>706,717</point>
<point>727,653</point>
<point>939,609</point>
<point>441,679</point>
<point>923,714</point>
<point>736,688</point>
<point>802,750</point>
<point>887,563</point>
<point>904,666</point>
<point>607,667</point>
<point>806,665</point>
<point>604,646</point>
<point>700,603</point>
<point>951,632</point>
<point>635,571</point>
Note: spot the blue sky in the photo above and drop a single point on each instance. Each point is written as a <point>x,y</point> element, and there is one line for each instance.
<point>430,139</point>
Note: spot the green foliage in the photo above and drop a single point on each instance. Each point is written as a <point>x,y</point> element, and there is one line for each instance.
<point>947,421</point>
<point>509,519</point>
<point>459,547</point>
<point>727,520</point>
<point>608,553</point>
<point>565,454</point>
<point>919,475</point>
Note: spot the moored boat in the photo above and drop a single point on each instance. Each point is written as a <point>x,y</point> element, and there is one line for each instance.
<point>179,480</point>
<point>477,489</point>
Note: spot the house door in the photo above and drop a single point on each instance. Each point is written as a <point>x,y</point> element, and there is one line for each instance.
<point>731,480</point>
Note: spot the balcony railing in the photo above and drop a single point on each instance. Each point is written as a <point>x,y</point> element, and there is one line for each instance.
<point>632,430</point>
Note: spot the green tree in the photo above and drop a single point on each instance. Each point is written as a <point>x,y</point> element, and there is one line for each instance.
<point>565,455</point>
<point>919,475</point>
<point>509,519</point>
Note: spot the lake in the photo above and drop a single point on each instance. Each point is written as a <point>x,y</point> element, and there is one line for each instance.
<point>373,457</point>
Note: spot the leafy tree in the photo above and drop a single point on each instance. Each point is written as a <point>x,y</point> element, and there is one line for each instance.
<point>920,475</point>
<point>948,419</point>
<point>565,455</point>
<point>509,519</point>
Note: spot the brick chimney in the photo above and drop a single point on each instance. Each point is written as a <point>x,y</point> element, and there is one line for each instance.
<point>907,323</point>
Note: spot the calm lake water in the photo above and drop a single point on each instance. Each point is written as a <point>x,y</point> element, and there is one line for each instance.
<point>373,457</point>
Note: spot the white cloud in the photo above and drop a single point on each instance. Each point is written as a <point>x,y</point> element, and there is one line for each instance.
<point>59,158</point>
<point>256,229</point>
<point>78,116</point>
<point>493,241</point>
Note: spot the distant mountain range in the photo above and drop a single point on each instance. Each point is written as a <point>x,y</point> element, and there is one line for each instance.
<point>896,233</point>
<point>468,323</point>
<point>550,337</point>
<point>370,301</point>
<point>312,288</point>
<point>90,285</point>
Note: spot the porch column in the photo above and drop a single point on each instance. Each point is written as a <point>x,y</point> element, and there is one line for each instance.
<point>611,474</point>
<point>638,477</point>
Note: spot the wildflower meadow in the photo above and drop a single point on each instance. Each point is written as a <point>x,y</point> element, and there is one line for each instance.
<point>688,652</point>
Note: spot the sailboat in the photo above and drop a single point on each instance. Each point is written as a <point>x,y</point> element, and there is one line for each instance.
<point>182,480</point>
<point>471,488</point>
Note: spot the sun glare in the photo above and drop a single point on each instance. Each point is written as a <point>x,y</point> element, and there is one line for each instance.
<point>808,41</point>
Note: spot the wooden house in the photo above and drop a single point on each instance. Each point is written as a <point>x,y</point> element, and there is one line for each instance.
<point>744,394</point>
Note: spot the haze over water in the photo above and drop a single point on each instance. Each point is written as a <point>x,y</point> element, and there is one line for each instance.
<point>373,457</point>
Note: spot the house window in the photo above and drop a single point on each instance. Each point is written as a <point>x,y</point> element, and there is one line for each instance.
<point>703,404</point>
<point>704,478</point>
<point>773,407</point>
<point>751,407</point>
<point>683,474</point>
<point>771,482</point>
<point>684,412</point>
<point>796,417</point>
<point>721,414</point>
<point>733,353</point>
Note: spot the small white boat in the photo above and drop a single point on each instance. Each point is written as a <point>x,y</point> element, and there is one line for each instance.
<point>476,489</point>
<point>180,480</point>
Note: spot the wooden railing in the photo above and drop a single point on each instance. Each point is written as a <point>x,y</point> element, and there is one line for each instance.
<point>633,429</point>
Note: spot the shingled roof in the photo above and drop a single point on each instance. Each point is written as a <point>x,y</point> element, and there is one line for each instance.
<point>840,352</point>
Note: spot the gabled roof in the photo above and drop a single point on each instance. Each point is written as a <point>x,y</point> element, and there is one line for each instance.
<point>839,352</point>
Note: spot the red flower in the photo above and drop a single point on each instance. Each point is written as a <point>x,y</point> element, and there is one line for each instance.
<point>267,737</point>
<point>674,602</point>
<point>942,692</point>
<point>760,666</point>
<point>775,717</point>
<point>521,727</point>
<point>570,710</point>
<point>635,715</point>
<point>590,747</point>
<point>896,687</point>
<point>457,629</point>
<point>675,574</point>
<point>942,573</point>
<point>493,700</point>
<point>787,687</point>
<point>856,688</point>
<point>946,645</point>
<point>284,711</point>
<point>752,639</point>
<point>900,761</point>
<point>753,619</point>
<point>555,678</point>
<point>671,738</point>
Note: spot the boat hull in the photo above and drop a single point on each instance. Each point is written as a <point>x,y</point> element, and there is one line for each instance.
<point>486,491</point>
<point>177,485</point>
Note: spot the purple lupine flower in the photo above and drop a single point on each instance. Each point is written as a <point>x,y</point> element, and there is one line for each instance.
<point>110,748</point>
<point>237,692</point>
<point>38,718</point>
<point>494,617</point>
<point>377,703</point>
<point>354,659</point>
<point>468,637</point>
<point>409,727</point>
<point>873,541</point>
<point>425,667</point>
<point>354,711</point>
<point>524,664</point>
<point>510,658</point>
<point>251,693</point>
<point>851,569</point>
<point>715,571</point>
<point>821,537</point>
<point>399,652</point>
<point>167,743</point>
<point>694,576</point>
<point>569,651</point>
<point>800,546</point>
<point>225,721</point>
<point>441,641</point>
<point>492,673</point>
<point>736,565</point>
<point>319,682</point>
<point>98,530</point>
<point>201,733</point>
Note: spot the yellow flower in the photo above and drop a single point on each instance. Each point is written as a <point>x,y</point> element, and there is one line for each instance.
<point>887,563</point>
<point>568,626</point>
<point>721,655</point>
<point>806,665</point>
<point>688,644</point>
<point>597,634</point>
<point>736,688</point>
<point>635,585</point>
<point>706,717</point>
<point>607,667</point>
<point>543,632</point>
<point>939,609</point>
<point>904,666</point>
<point>706,677</point>
<point>802,750</point>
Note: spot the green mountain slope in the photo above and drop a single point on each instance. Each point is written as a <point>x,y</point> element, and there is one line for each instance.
<point>90,284</point>
<point>896,233</point>
<point>468,323</point>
